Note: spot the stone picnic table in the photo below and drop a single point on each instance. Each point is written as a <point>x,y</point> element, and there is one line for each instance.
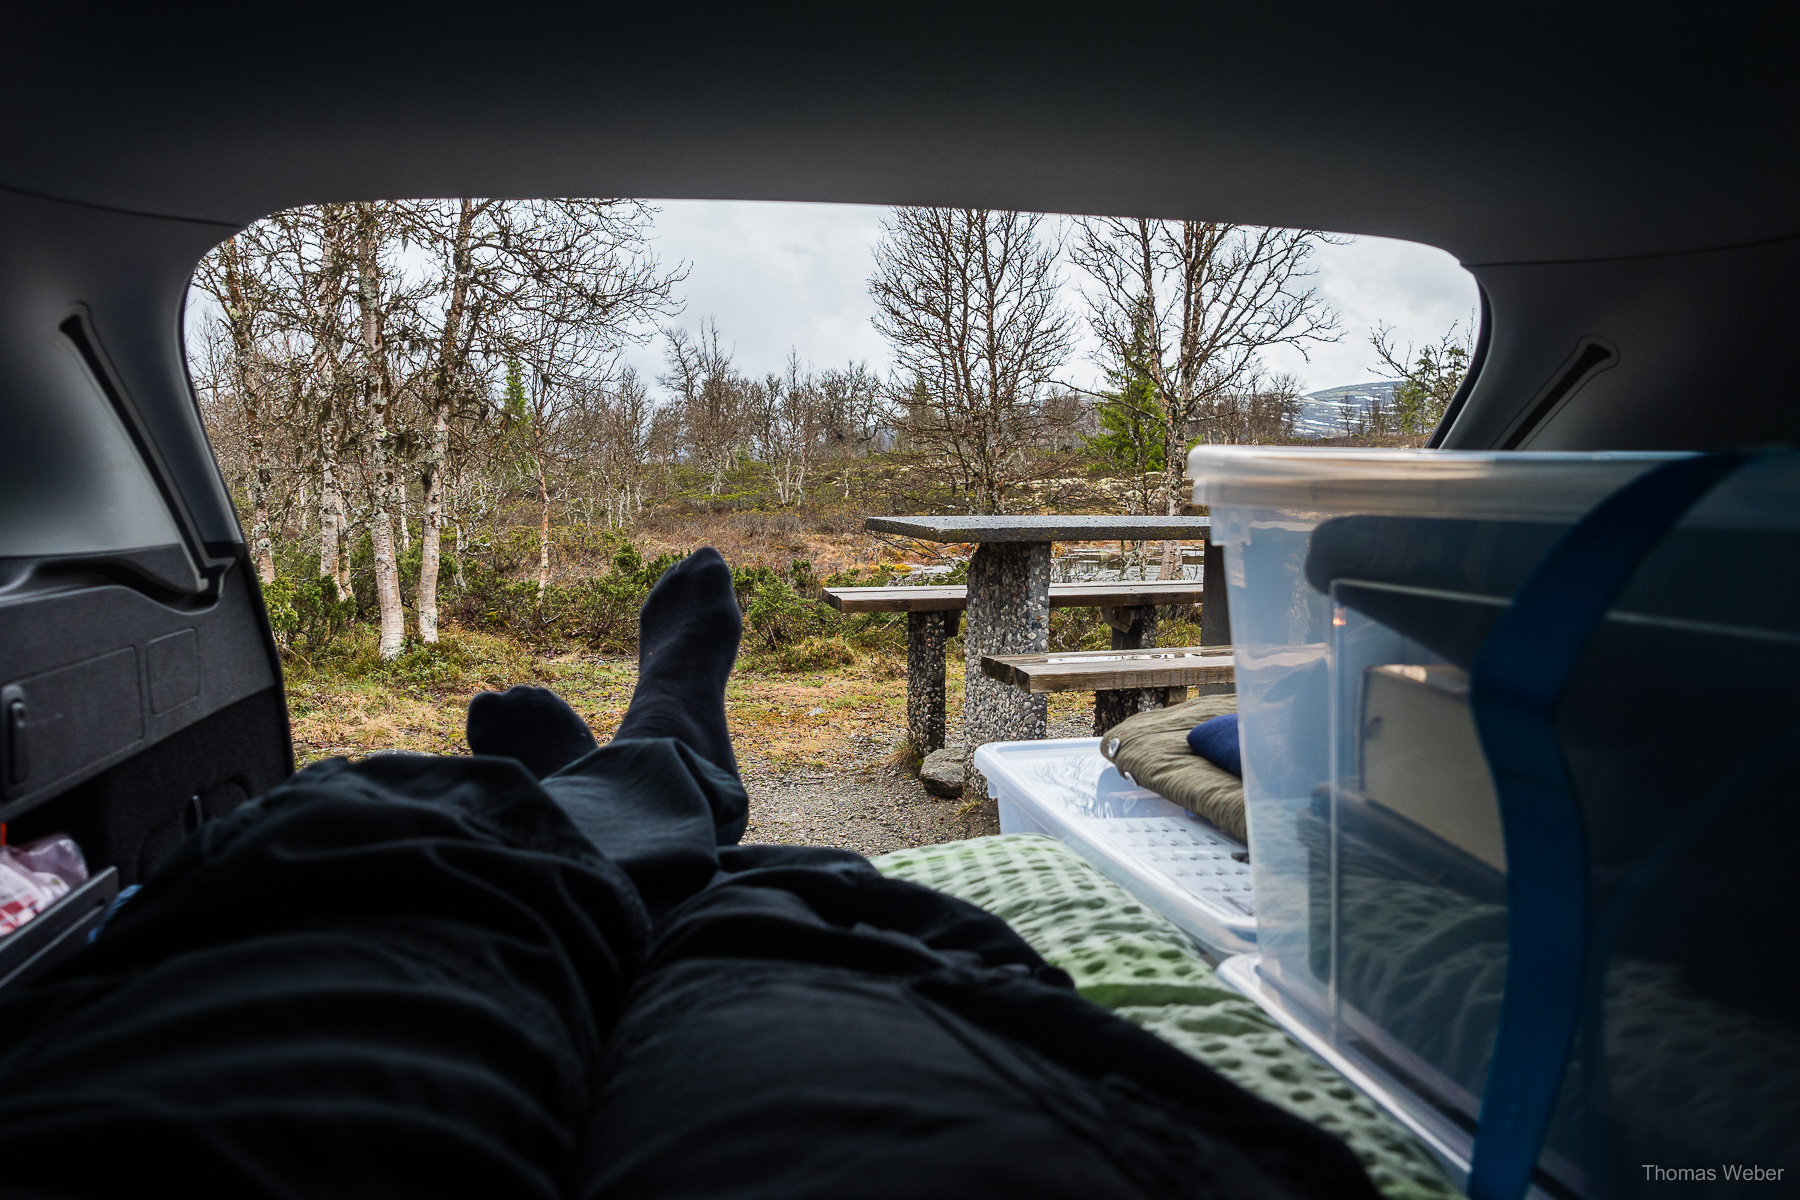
<point>1008,604</point>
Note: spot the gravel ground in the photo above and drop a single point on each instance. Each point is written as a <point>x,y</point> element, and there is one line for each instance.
<point>872,807</point>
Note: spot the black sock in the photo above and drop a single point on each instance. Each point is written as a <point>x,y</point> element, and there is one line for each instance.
<point>531,724</point>
<point>688,635</point>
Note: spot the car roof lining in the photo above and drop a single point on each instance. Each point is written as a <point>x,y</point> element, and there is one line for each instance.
<point>1542,148</point>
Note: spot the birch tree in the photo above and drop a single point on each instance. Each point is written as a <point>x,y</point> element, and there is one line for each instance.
<point>306,261</point>
<point>377,385</point>
<point>967,298</point>
<point>790,423</point>
<point>242,372</point>
<point>557,285</point>
<point>712,398</point>
<point>1189,305</point>
<point>452,386</point>
<point>623,437</point>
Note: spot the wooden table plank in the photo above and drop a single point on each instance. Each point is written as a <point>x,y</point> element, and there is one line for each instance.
<point>1125,595</point>
<point>1106,670</point>
<point>948,597</point>
<point>977,528</point>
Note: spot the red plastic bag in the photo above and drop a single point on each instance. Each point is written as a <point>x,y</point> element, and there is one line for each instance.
<point>34,876</point>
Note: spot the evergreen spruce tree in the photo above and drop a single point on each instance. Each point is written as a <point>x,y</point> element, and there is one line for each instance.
<point>1133,426</point>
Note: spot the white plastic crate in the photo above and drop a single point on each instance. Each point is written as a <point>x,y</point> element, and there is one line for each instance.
<point>1172,860</point>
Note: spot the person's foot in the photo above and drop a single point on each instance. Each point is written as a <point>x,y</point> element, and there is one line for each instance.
<point>688,632</point>
<point>531,724</point>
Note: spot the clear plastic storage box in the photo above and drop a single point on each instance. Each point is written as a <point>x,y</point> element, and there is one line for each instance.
<point>1362,585</point>
<point>1175,862</point>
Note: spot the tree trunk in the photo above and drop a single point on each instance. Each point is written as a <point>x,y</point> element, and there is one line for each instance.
<point>331,521</point>
<point>240,320</point>
<point>400,517</point>
<point>450,354</point>
<point>543,482</point>
<point>1174,475</point>
<point>381,535</point>
<point>543,532</point>
<point>432,537</point>
<point>381,526</point>
<point>262,547</point>
<point>328,533</point>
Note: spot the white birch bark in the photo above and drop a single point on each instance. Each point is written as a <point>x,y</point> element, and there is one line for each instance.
<point>381,527</point>
<point>248,386</point>
<point>450,361</point>
<point>430,546</point>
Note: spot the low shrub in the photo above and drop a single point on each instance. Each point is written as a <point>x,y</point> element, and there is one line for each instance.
<point>462,662</point>
<point>776,616</point>
<point>600,611</point>
<point>307,614</point>
<point>784,617</point>
<point>806,654</point>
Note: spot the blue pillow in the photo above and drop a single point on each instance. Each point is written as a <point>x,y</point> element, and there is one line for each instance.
<point>1216,741</point>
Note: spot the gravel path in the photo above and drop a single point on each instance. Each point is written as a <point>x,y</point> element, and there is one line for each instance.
<point>872,807</point>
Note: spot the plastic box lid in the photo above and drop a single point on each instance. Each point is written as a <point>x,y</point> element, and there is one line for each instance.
<point>1512,485</point>
<point>1172,860</point>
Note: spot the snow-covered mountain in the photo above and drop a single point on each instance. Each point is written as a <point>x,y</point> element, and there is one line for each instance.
<point>1336,412</point>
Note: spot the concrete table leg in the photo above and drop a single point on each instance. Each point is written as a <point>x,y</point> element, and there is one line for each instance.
<point>925,636</point>
<point>1132,629</point>
<point>1008,613</point>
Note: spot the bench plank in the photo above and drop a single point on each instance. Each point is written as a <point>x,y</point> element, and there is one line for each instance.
<point>898,599</point>
<point>1107,670</point>
<point>1062,595</point>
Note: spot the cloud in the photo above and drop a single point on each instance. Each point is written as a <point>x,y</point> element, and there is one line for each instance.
<point>778,275</point>
<point>1418,290</point>
<point>775,277</point>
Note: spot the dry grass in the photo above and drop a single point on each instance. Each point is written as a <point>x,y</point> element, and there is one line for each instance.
<point>352,705</point>
<point>758,539</point>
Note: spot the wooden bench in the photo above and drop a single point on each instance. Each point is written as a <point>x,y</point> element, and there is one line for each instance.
<point>1168,672</point>
<point>932,615</point>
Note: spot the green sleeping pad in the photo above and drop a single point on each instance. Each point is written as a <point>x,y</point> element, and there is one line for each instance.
<point>1128,958</point>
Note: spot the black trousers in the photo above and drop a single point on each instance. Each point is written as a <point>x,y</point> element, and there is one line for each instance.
<point>438,977</point>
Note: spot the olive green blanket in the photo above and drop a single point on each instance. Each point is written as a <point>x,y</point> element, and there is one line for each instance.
<point>1151,749</point>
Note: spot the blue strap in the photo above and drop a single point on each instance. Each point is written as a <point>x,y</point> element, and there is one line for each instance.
<point>1514,690</point>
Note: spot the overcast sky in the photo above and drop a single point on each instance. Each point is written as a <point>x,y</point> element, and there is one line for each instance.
<point>777,276</point>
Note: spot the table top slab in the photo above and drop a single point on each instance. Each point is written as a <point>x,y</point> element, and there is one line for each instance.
<point>949,597</point>
<point>1041,529</point>
<point>1109,670</point>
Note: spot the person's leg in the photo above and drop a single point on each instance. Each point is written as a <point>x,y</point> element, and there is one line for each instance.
<point>657,809</point>
<point>385,979</point>
<point>531,724</point>
<point>817,1031</point>
<point>688,633</point>
<point>663,795</point>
